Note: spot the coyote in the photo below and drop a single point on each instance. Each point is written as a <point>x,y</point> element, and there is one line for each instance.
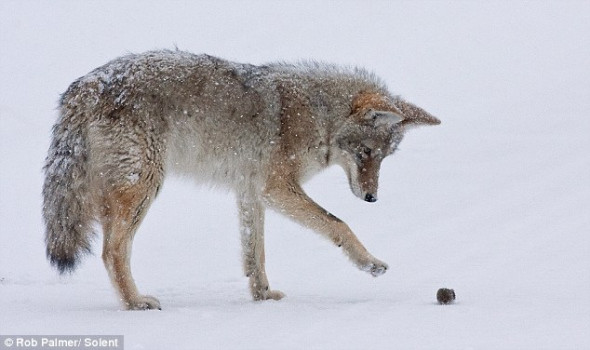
<point>258,130</point>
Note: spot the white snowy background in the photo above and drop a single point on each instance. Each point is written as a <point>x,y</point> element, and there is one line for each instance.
<point>494,203</point>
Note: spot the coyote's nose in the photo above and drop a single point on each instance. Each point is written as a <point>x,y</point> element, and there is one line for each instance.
<point>369,198</point>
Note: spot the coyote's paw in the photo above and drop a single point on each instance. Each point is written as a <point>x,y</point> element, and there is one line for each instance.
<point>268,295</point>
<point>375,268</point>
<point>143,302</point>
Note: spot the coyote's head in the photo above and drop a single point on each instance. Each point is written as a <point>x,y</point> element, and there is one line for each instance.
<point>373,130</point>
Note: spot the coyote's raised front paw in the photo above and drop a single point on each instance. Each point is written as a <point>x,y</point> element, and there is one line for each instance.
<point>143,302</point>
<point>375,268</point>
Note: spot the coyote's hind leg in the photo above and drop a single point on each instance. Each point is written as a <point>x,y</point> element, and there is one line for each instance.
<point>252,234</point>
<point>124,210</point>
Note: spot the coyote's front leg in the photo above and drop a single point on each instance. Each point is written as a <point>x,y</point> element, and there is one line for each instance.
<point>288,198</point>
<point>252,234</point>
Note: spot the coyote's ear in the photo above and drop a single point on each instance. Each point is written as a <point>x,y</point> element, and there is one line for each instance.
<point>414,115</point>
<point>384,118</point>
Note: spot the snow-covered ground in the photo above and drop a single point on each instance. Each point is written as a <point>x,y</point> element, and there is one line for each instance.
<point>494,203</point>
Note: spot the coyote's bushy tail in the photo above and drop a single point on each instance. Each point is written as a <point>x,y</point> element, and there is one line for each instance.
<point>67,207</point>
